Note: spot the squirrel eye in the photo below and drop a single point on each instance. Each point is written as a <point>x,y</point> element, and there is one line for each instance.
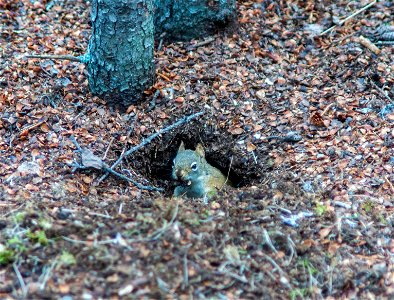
<point>194,166</point>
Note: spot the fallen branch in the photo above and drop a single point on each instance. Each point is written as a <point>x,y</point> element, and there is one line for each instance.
<point>150,139</point>
<point>89,160</point>
<point>61,57</point>
<point>349,17</point>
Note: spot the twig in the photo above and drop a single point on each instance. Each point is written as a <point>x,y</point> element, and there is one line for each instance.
<point>254,157</point>
<point>369,45</point>
<point>185,272</point>
<point>154,236</point>
<point>159,232</point>
<point>163,76</point>
<point>240,278</point>
<point>21,281</point>
<point>381,91</point>
<point>47,274</point>
<point>151,138</point>
<point>291,246</point>
<point>290,137</point>
<point>349,17</point>
<point>268,241</point>
<point>138,185</point>
<point>100,215</point>
<point>327,108</point>
<point>76,241</point>
<point>12,211</point>
<point>61,57</point>
<point>109,146</point>
<point>25,131</point>
<point>389,183</point>
<point>89,160</point>
<point>129,134</point>
<point>228,173</point>
<point>276,266</point>
<point>385,43</point>
<point>199,44</point>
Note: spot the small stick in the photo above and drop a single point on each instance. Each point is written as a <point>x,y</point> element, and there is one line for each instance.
<point>349,17</point>
<point>389,183</point>
<point>381,91</point>
<point>160,232</point>
<point>163,76</point>
<point>97,163</point>
<point>268,241</point>
<point>228,173</point>
<point>47,274</point>
<point>368,44</point>
<point>21,281</point>
<point>109,146</point>
<point>327,108</point>
<point>61,57</point>
<point>185,271</point>
<point>138,185</point>
<point>151,138</point>
<point>202,43</point>
<point>26,130</point>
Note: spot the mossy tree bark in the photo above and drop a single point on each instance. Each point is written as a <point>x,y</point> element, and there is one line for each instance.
<point>187,19</point>
<point>120,55</point>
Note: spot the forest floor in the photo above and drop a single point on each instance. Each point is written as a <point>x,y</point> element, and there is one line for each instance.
<point>310,217</point>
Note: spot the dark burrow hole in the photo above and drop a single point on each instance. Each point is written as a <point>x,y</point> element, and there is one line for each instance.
<point>222,150</point>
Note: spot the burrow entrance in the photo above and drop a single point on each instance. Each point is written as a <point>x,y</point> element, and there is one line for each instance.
<point>222,150</point>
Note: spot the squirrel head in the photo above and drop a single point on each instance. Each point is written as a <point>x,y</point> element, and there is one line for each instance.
<point>188,164</point>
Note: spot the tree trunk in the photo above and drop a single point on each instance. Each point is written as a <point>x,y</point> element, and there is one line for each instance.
<point>187,19</point>
<point>120,56</point>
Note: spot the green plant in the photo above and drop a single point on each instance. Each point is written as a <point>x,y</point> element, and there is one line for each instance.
<point>38,236</point>
<point>299,292</point>
<point>308,266</point>
<point>368,206</point>
<point>16,243</point>
<point>6,255</point>
<point>67,259</point>
<point>320,209</point>
<point>20,217</point>
<point>44,224</point>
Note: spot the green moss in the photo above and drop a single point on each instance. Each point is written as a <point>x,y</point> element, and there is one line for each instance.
<point>20,217</point>
<point>320,209</point>
<point>17,244</point>
<point>38,237</point>
<point>6,255</point>
<point>67,259</point>
<point>300,293</point>
<point>44,224</point>
<point>308,266</point>
<point>368,206</point>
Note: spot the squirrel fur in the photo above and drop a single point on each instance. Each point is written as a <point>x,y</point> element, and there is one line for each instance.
<point>198,178</point>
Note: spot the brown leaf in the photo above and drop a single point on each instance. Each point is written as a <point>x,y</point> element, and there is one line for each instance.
<point>333,247</point>
<point>250,147</point>
<point>316,119</point>
<point>236,130</point>
<point>324,232</point>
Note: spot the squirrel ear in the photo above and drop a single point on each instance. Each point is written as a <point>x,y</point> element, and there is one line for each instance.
<point>181,147</point>
<point>200,150</point>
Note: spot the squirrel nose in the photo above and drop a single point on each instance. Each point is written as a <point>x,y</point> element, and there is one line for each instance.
<point>180,174</point>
